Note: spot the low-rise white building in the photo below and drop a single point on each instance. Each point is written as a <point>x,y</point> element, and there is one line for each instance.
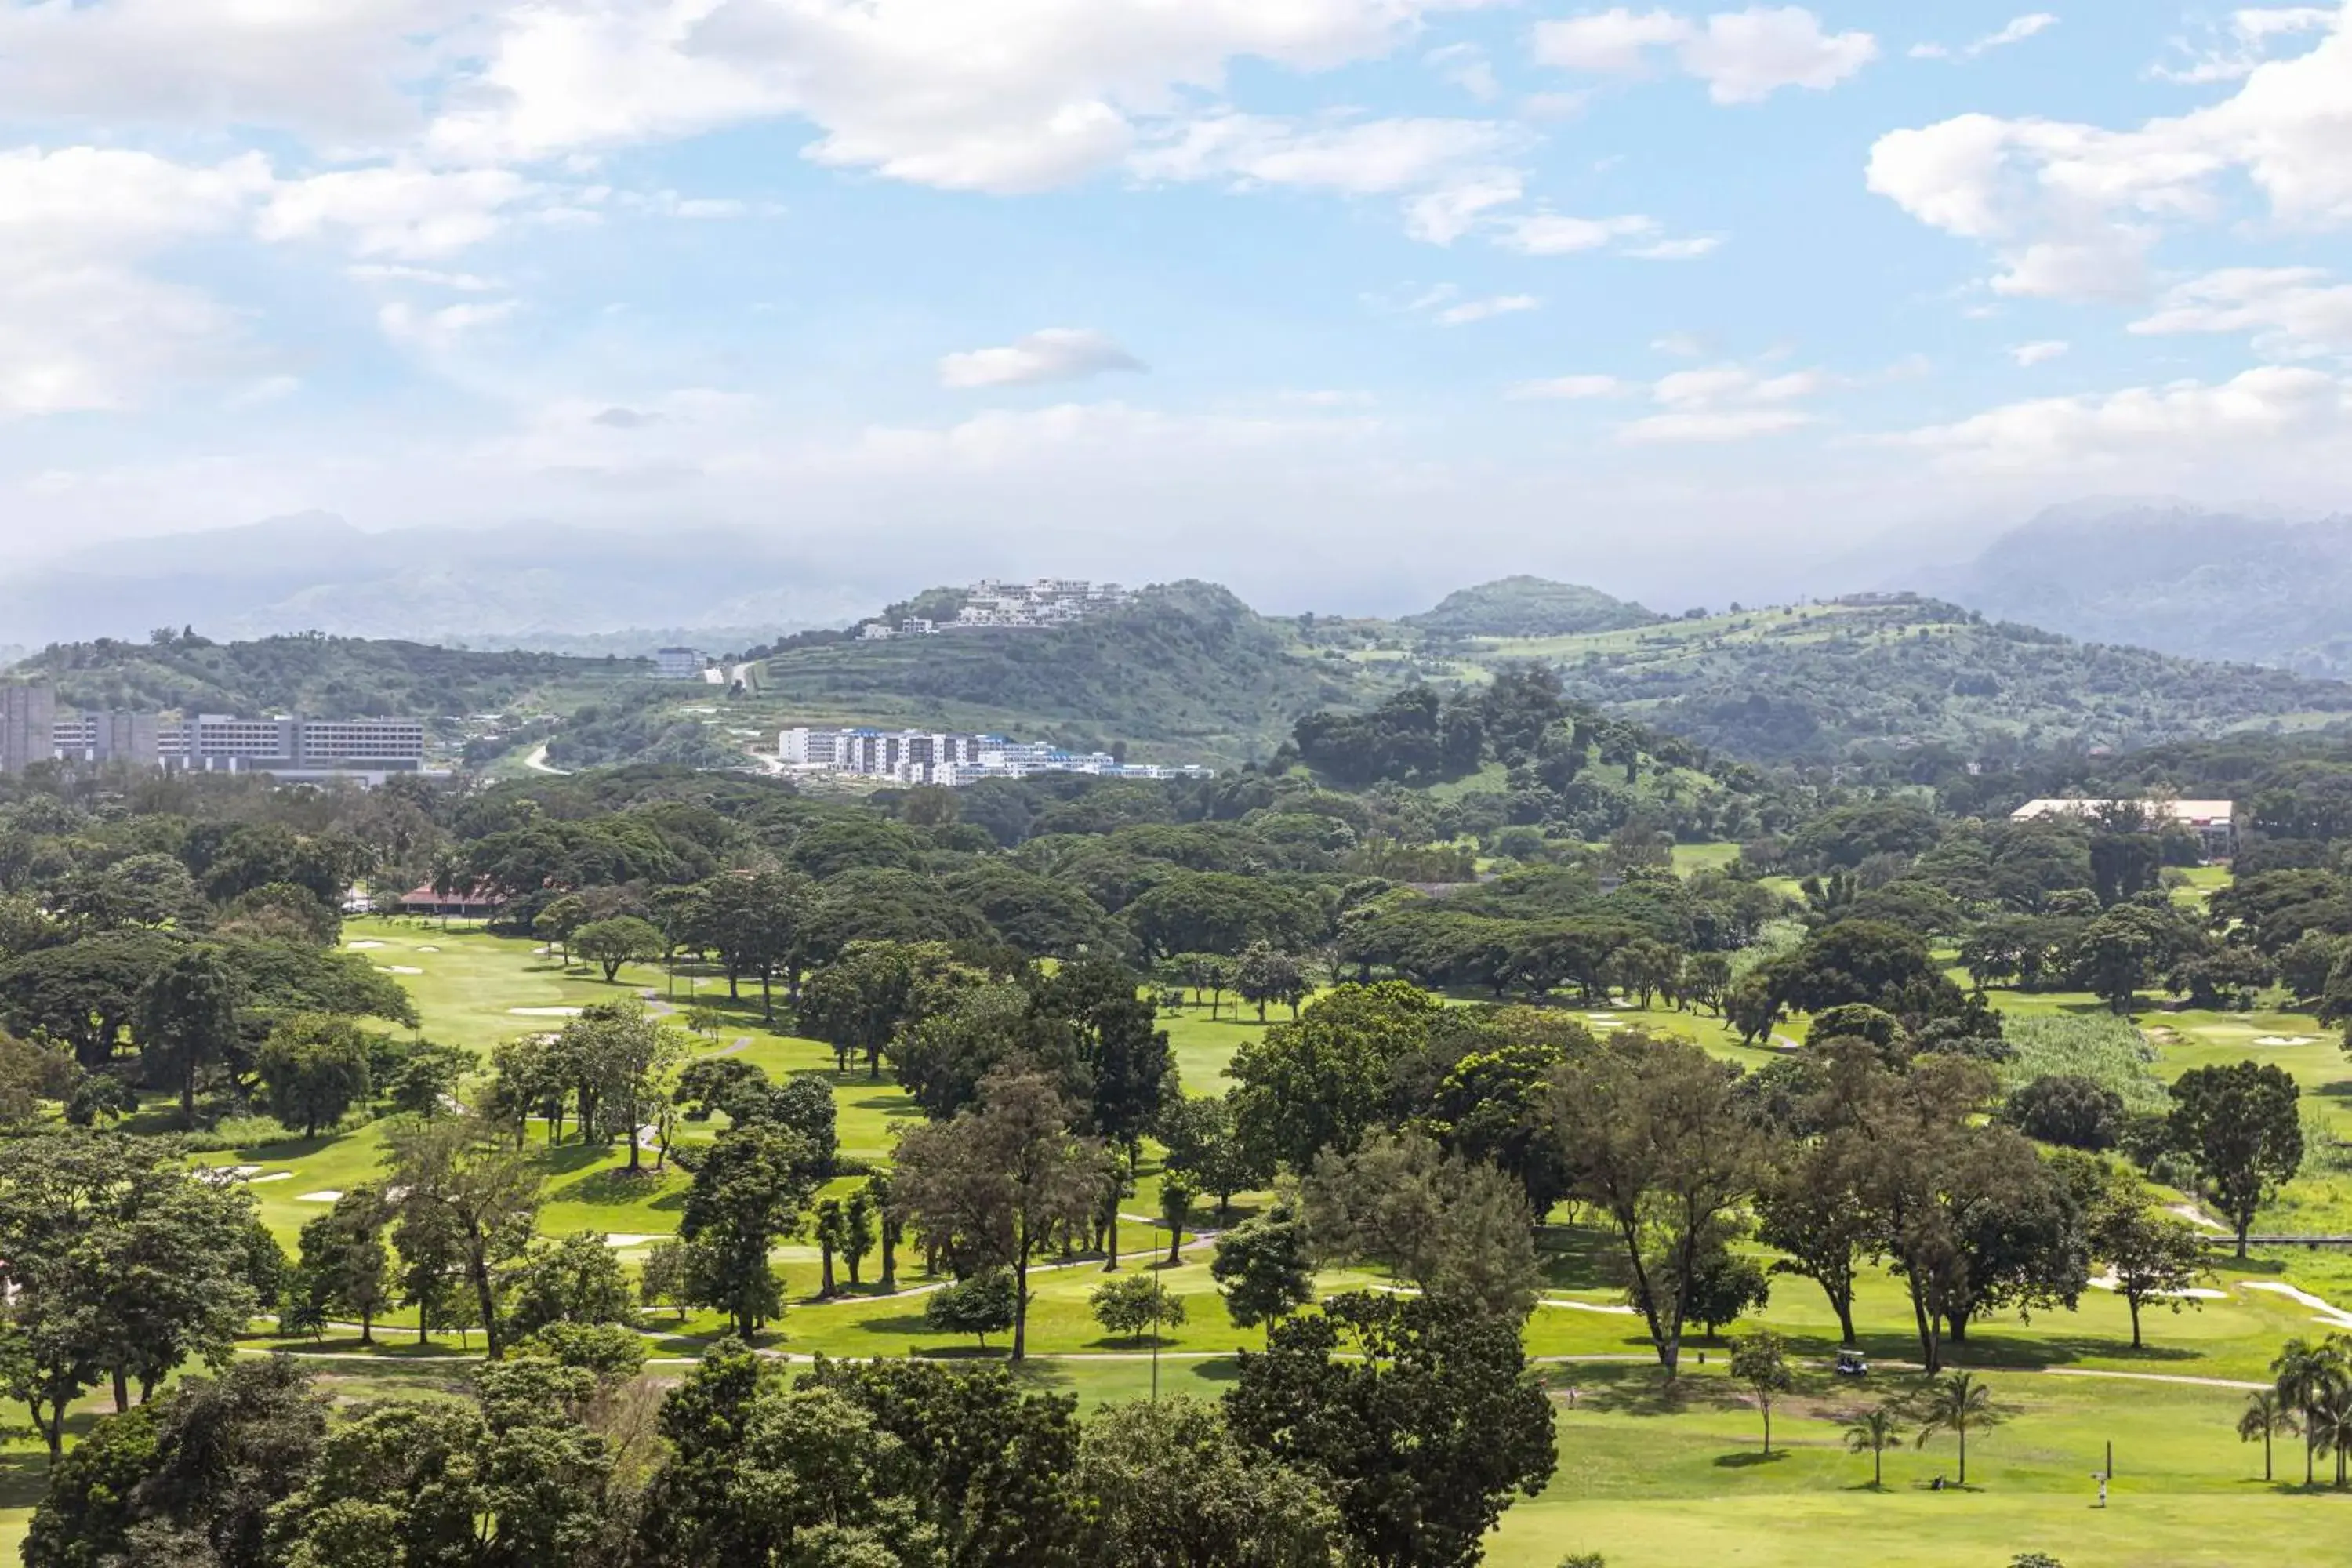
<point>926,756</point>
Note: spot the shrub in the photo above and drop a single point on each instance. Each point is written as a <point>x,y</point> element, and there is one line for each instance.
<point>2071,1112</point>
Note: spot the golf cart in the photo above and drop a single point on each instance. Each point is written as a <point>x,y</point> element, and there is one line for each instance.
<point>1852,1362</point>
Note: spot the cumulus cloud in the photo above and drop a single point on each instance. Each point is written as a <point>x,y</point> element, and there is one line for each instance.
<point>2250,35</point>
<point>1058,353</point>
<point>2151,431</point>
<point>2073,211</point>
<point>2290,312</point>
<point>1744,57</point>
<point>83,326</point>
<point>2028,26</point>
<point>2030,355</point>
<point>1725,403</point>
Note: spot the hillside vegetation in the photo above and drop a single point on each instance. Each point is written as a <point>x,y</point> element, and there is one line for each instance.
<point>1188,672</point>
<point>1878,676</point>
<point>1529,608</point>
<point>341,676</point>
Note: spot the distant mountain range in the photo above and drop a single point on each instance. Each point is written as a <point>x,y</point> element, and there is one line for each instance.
<point>532,586</point>
<point>2202,585</point>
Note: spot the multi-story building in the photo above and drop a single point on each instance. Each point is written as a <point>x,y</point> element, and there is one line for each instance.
<point>135,739</point>
<point>918,756</point>
<point>1047,602</point>
<point>678,664</point>
<point>27,718</point>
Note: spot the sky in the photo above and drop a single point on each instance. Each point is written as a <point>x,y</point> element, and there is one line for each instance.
<point>1339,302</point>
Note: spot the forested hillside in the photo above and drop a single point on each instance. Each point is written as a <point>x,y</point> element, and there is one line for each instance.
<point>1529,608</point>
<point>333,676</point>
<point>1879,676</point>
<point>1187,671</point>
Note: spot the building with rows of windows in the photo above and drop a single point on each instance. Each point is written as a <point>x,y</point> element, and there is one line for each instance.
<point>922,756</point>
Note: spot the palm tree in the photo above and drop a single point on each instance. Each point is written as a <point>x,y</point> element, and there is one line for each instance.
<point>1872,1433</point>
<point>2301,1377</point>
<point>1956,1402</point>
<point>2265,1415</point>
<point>2330,1425</point>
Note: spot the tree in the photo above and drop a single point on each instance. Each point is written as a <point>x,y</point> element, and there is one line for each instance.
<point>199,1470</point>
<point>747,1195</point>
<point>827,1224</point>
<point>574,1280</point>
<point>986,1303</point>
<point>2243,1125</point>
<point>662,1276</point>
<point>2263,1417</point>
<point>622,1059</point>
<point>1198,1133</point>
<point>1126,1307</point>
<point>860,1001</point>
<point>315,1068</point>
<point>124,1265</point>
<point>478,1195</point>
<point>1445,1224</point>
<point>1760,1361</point>
<point>1177,1193</point>
<point>757,923</point>
<point>992,1187</point>
<point>624,938</point>
<point>1874,1432</point>
<point>2328,1423</point>
<point>1814,1209</point>
<point>426,1081</point>
<point>1265,1269</point>
<point>1116,1045</point>
<point>1954,1402</point>
<point>346,1265</point>
<point>1420,1413</point>
<point>1727,1288</point>
<point>889,1226</point>
<point>1264,974</point>
<point>2154,1256</point>
<point>187,1019</point>
<point>856,1236</point>
<point>1659,1143</point>
<point>1323,1082</point>
<point>2071,1112</point>
<point>2303,1375</point>
<point>1167,1486</point>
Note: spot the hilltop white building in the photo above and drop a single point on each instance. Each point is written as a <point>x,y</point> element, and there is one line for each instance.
<point>1047,602</point>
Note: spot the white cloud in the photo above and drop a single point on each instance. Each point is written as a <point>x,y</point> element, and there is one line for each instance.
<point>1446,214</point>
<point>1744,57</point>
<point>1567,389</point>
<point>2030,355</point>
<point>1725,403</point>
<point>396,210</point>
<point>82,327</point>
<point>2073,211</point>
<point>1549,234</point>
<point>2246,42</point>
<point>1056,353</point>
<point>1471,310</point>
<point>2292,312</point>
<point>1003,97</point>
<point>431,278</point>
<point>1616,42</point>
<point>338,70</point>
<point>1681,345</point>
<point>437,331</point>
<point>2152,432</point>
<point>1678,250</point>
<point>2017,32</point>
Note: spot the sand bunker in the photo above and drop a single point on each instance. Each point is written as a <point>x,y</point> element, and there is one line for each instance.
<point>2282,1039</point>
<point>362,946</point>
<point>326,1198</point>
<point>398,969</point>
<point>544,1012</point>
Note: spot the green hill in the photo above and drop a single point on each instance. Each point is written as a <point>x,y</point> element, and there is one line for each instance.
<point>1529,608</point>
<point>1878,676</point>
<point>1188,672</point>
<point>338,677</point>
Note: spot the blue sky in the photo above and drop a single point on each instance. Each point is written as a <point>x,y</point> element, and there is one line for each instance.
<point>1338,301</point>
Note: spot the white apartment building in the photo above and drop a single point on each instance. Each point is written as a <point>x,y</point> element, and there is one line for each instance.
<point>678,664</point>
<point>918,756</point>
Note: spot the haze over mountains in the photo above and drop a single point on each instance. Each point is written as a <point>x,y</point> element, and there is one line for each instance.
<point>527,585</point>
<point>2173,577</point>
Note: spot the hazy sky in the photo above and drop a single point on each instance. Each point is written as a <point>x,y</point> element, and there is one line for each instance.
<point>1308,295</point>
